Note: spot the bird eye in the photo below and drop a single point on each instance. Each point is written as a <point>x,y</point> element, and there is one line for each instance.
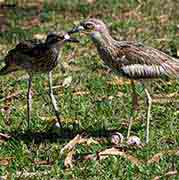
<point>89,26</point>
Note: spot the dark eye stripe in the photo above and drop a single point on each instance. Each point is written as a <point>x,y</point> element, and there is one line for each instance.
<point>61,37</point>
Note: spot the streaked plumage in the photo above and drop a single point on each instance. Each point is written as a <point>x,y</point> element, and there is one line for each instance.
<point>35,56</point>
<point>137,61</point>
<point>130,59</point>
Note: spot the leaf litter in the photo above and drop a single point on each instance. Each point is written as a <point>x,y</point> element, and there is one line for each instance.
<point>69,150</point>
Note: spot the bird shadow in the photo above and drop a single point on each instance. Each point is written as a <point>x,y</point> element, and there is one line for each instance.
<point>62,135</point>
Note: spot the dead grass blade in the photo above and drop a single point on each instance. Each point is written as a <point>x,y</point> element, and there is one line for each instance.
<point>5,161</point>
<point>156,158</point>
<point>70,148</point>
<point>71,144</point>
<point>25,174</point>
<point>4,24</point>
<point>33,22</point>
<point>68,162</point>
<point>166,98</point>
<point>89,157</point>
<point>71,56</point>
<point>81,93</point>
<point>118,81</point>
<point>4,177</point>
<point>116,152</point>
<point>78,139</point>
<point>41,36</point>
<point>42,162</point>
<point>91,1</point>
<point>11,96</point>
<point>67,81</point>
<point>167,175</point>
<point>4,136</point>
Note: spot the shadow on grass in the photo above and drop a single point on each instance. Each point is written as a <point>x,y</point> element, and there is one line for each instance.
<point>62,135</point>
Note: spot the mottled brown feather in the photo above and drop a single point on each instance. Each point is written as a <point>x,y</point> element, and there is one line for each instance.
<point>31,55</point>
<point>131,59</point>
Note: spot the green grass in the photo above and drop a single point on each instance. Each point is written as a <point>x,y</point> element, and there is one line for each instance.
<point>94,113</point>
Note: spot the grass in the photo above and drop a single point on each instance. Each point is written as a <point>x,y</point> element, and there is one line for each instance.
<point>95,112</point>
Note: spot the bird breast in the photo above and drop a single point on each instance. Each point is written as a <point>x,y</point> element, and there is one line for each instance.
<point>110,57</point>
<point>43,63</point>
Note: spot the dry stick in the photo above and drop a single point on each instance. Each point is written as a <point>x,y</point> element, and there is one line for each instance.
<point>114,151</point>
<point>4,136</point>
<point>70,148</point>
<point>166,175</point>
<point>77,140</point>
<point>71,144</point>
<point>68,162</point>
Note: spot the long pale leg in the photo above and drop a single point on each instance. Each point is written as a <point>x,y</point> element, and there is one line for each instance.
<point>149,103</point>
<point>134,107</point>
<point>53,100</point>
<point>29,100</point>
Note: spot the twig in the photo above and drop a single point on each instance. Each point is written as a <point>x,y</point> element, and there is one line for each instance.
<point>78,139</point>
<point>68,162</point>
<point>166,175</point>
<point>71,144</point>
<point>156,158</point>
<point>114,151</point>
<point>4,136</point>
<point>13,95</point>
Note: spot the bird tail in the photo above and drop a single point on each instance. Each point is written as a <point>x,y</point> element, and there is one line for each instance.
<point>7,69</point>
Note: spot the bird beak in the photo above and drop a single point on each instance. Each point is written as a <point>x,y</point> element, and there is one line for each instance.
<point>67,38</point>
<point>77,29</point>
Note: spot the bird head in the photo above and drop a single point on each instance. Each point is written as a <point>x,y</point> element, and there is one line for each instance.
<point>90,26</point>
<point>59,37</point>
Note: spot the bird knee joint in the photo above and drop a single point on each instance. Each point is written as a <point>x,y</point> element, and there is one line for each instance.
<point>149,100</point>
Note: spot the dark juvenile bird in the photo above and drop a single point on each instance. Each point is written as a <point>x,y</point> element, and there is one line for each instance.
<point>130,59</point>
<point>35,56</point>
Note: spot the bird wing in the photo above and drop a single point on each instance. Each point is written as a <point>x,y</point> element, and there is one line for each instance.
<point>139,61</point>
<point>26,54</point>
<point>32,48</point>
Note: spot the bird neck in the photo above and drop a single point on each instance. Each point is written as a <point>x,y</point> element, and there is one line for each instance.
<point>53,45</point>
<point>102,39</point>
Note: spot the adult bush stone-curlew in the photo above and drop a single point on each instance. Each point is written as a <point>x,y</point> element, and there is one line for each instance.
<point>34,56</point>
<point>131,60</point>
